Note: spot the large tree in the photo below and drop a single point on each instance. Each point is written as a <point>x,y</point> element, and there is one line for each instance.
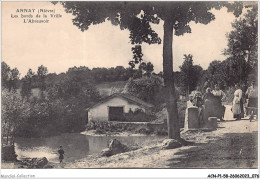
<point>41,74</point>
<point>27,84</point>
<point>189,73</point>
<point>14,113</point>
<point>137,17</point>
<point>243,44</point>
<point>5,75</point>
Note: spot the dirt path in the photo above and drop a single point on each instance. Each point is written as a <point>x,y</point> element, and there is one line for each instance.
<point>232,151</point>
<point>232,145</point>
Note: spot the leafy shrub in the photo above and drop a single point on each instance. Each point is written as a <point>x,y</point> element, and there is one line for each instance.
<point>101,127</point>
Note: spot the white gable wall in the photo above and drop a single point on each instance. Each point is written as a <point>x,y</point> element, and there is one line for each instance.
<point>100,112</point>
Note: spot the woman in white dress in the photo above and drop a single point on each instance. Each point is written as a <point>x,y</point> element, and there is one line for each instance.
<point>237,106</point>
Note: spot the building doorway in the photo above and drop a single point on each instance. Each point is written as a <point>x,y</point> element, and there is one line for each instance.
<point>116,113</point>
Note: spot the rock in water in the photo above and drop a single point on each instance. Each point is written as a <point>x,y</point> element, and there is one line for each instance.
<point>115,147</point>
<point>106,152</point>
<point>171,144</point>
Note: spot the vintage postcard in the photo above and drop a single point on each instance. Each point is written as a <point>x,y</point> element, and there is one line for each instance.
<point>129,85</point>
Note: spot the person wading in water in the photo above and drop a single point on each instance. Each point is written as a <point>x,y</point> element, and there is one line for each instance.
<point>61,153</point>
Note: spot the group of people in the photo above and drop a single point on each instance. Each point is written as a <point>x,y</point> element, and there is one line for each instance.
<point>210,103</point>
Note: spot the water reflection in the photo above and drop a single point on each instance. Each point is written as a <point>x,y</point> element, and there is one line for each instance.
<point>75,145</point>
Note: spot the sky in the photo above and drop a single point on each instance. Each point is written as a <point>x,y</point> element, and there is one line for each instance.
<point>59,44</point>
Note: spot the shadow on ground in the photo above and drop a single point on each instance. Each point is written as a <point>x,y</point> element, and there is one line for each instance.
<point>233,150</point>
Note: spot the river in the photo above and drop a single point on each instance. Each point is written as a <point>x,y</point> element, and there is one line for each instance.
<point>75,145</point>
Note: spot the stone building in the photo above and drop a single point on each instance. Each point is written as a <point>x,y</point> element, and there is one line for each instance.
<point>113,107</point>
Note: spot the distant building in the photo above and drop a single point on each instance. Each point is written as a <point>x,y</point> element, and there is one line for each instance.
<point>113,107</point>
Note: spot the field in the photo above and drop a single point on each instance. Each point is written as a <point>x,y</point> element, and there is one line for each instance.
<point>108,88</point>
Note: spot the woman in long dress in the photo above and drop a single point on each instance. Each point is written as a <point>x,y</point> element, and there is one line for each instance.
<point>208,99</point>
<point>237,106</point>
<point>196,99</point>
<point>218,107</point>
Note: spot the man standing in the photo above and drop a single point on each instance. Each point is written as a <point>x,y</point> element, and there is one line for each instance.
<point>251,94</point>
<point>61,153</point>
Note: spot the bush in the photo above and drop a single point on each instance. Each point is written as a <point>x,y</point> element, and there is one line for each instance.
<point>99,126</point>
<point>102,127</point>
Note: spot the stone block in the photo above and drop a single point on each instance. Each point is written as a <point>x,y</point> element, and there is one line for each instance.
<point>106,152</point>
<point>212,123</point>
<point>191,118</point>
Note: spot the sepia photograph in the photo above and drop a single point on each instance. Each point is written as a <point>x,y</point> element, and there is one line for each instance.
<point>130,85</point>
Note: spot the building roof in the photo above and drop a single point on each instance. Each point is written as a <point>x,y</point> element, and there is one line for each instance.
<point>128,97</point>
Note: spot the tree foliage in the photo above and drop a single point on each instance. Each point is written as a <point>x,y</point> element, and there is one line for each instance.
<point>10,77</point>
<point>41,73</point>
<point>146,88</point>
<point>241,63</point>
<point>14,113</point>
<point>243,45</point>
<point>5,75</point>
<point>61,109</point>
<point>189,74</point>
<point>26,89</point>
<point>146,68</point>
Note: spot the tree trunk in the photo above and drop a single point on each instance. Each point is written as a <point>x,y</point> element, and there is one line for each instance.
<point>171,101</point>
